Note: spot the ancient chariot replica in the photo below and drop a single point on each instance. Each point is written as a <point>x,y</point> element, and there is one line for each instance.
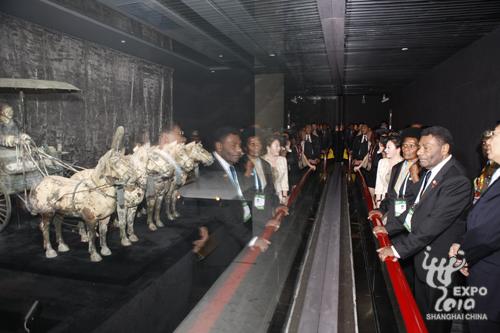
<point>23,165</point>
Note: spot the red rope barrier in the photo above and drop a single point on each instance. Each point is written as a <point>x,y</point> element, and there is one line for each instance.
<point>412,317</point>
<point>212,311</point>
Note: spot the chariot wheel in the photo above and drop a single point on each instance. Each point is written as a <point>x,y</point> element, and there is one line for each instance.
<point>5,208</point>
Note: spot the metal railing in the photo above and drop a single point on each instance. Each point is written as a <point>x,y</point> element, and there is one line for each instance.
<point>409,310</point>
<point>212,311</point>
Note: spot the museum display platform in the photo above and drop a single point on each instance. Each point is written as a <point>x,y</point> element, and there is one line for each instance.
<point>144,287</point>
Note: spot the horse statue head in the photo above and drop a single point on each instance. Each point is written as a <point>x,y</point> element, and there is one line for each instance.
<point>199,154</point>
<point>180,155</point>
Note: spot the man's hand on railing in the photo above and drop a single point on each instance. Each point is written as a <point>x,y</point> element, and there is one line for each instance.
<point>262,244</point>
<point>273,223</point>
<point>379,230</point>
<point>386,252</point>
<point>375,212</point>
<point>281,208</point>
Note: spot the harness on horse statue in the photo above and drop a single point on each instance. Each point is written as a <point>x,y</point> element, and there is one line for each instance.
<point>96,189</point>
<point>150,183</point>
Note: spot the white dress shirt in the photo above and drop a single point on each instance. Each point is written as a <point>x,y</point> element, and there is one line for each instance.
<point>494,177</point>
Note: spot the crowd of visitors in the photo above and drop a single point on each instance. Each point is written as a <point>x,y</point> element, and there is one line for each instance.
<point>430,209</point>
<point>434,215</point>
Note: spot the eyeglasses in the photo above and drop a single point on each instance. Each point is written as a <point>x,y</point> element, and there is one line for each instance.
<point>409,146</point>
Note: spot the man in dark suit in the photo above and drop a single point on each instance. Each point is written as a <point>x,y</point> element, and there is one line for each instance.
<point>434,221</point>
<point>339,143</point>
<point>258,178</point>
<point>360,145</point>
<point>217,205</point>
<point>316,137</point>
<point>310,150</point>
<point>326,138</point>
<point>481,248</point>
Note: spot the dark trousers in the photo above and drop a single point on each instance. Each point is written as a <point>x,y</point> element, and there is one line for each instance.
<point>426,298</point>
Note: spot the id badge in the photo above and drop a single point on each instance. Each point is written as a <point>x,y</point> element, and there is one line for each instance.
<point>408,217</point>
<point>399,207</point>
<point>259,201</point>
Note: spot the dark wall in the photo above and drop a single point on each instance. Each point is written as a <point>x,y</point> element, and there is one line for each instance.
<point>208,101</point>
<point>306,111</point>
<point>117,89</point>
<point>372,112</point>
<point>462,94</point>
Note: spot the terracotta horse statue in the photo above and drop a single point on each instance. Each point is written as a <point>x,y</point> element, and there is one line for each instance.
<point>158,186</point>
<point>199,155</point>
<point>92,199</point>
<point>148,161</point>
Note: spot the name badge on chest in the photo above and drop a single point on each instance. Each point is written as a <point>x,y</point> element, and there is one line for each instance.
<point>399,207</point>
<point>259,201</point>
<point>407,223</point>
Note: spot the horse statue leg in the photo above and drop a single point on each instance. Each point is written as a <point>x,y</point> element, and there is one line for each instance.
<point>61,245</point>
<point>159,200</point>
<point>91,226</point>
<point>44,227</point>
<point>130,224</point>
<point>168,201</point>
<point>121,211</point>
<point>175,197</point>
<point>84,238</point>
<point>151,207</point>
<point>103,230</point>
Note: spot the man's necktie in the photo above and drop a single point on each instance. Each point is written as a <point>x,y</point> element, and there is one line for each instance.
<point>246,210</point>
<point>233,175</point>
<point>426,179</point>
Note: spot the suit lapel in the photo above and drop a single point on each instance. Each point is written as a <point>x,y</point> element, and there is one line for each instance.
<point>437,179</point>
<point>220,173</point>
<point>397,169</point>
<point>487,191</point>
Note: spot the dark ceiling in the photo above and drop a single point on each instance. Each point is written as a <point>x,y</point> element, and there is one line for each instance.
<point>325,47</point>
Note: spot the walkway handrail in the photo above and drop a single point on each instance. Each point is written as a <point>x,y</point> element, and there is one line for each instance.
<point>211,312</point>
<point>412,317</point>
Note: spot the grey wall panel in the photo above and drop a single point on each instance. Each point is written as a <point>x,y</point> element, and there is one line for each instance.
<point>269,100</point>
<point>117,89</point>
<point>461,94</point>
<point>211,100</point>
